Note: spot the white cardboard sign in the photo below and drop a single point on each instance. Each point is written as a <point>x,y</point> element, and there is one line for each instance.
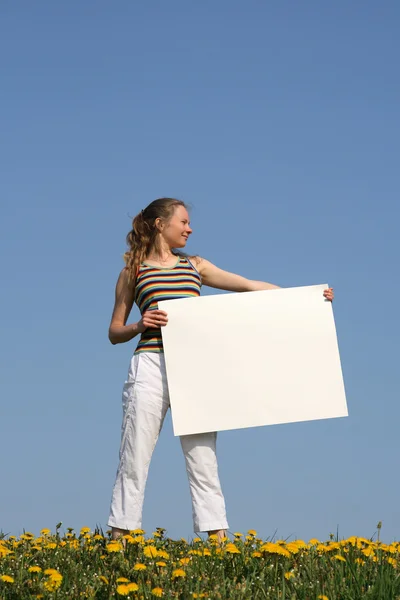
<point>251,359</point>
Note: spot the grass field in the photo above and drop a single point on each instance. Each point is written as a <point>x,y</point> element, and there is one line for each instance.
<point>89,565</point>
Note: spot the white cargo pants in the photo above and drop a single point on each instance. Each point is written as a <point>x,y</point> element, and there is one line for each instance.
<point>145,401</point>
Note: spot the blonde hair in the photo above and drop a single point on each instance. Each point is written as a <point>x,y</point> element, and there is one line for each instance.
<point>143,235</point>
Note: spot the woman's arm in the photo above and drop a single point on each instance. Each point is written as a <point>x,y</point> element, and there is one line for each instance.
<point>119,332</point>
<point>223,280</point>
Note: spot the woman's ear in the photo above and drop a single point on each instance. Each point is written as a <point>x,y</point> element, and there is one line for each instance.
<point>159,224</point>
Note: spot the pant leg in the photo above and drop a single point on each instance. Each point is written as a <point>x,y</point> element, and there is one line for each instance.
<point>145,403</point>
<point>201,465</point>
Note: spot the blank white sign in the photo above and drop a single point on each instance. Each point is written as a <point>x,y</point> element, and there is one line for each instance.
<point>250,359</point>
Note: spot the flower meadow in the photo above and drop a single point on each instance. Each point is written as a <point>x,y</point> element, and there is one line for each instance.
<point>91,565</point>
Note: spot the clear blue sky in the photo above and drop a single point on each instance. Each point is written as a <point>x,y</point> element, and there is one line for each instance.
<point>279,123</point>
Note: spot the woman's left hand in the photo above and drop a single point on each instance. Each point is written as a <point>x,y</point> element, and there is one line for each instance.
<point>329,294</point>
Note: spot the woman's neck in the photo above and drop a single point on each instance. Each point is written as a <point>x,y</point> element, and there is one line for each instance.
<point>164,255</point>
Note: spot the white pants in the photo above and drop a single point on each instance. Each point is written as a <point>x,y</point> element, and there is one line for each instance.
<point>145,401</point>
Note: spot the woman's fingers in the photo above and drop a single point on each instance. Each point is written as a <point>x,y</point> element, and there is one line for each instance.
<point>329,294</point>
<point>155,318</point>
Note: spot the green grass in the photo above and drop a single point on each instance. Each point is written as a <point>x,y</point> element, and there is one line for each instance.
<point>90,565</point>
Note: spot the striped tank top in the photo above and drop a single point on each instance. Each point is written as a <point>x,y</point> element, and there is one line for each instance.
<point>163,283</point>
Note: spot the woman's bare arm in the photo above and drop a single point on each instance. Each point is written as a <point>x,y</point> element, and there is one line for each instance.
<point>223,280</point>
<point>119,332</point>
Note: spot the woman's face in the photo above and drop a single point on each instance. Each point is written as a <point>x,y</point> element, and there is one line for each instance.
<point>176,232</point>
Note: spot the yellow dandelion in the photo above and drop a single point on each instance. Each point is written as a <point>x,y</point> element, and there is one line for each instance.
<point>339,557</point>
<point>139,539</point>
<point>157,591</point>
<point>98,537</point>
<point>256,554</point>
<point>122,580</point>
<point>322,597</point>
<point>232,549</point>
<point>34,569</point>
<point>392,561</point>
<point>51,572</point>
<point>206,552</point>
<point>313,542</point>
<point>272,548</point>
<point>178,573</point>
<point>163,554</point>
<point>360,561</point>
<point>51,584</point>
<point>252,532</point>
<point>289,575</point>
<point>114,546</point>
<point>139,567</point>
<point>123,590</point>
<point>197,540</point>
<point>150,551</point>
<point>137,532</point>
<point>132,587</point>
<point>368,552</point>
<point>184,561</point>
<point>161,563</point>
<point>51,546</point>
<point>7,578</point>
<point>238,534</point>
<point>292,547</point>
<point>85,530</point>
<point>103,579</point>
<point>45,531</point>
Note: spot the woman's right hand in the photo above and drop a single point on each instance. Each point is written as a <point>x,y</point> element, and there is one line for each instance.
<point>153,319</point>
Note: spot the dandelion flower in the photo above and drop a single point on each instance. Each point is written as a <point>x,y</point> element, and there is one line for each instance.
<point>232,549</point>
<point>85,530</point>
<point>157,591</point>
<point>163,554</point>
<point>45,531</point>
<point>238,534</point>
<point>252,532</point>
<point>161,563</point>
<point>114,547</point>
<point>139,567</point>
<point>123,590</point>
<point>184,561</point>
<point>138,532</point>
<point>178,573</point>
<point>122,580</point>
<point>256,554</point>
<point>150,551</point>
<point>132,587</point>
<point>34,569</point>
<point>7,578</point>
<point>51,546</point>
<point>339,557</point>
<point>103,579</point>
<point>289,575</point>
<point>322,597</point>
<point>292,547</point>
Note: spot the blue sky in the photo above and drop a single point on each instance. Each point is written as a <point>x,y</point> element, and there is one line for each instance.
<point>279,124</point>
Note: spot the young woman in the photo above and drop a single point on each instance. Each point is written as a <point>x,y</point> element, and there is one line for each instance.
<point>155,270</point>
